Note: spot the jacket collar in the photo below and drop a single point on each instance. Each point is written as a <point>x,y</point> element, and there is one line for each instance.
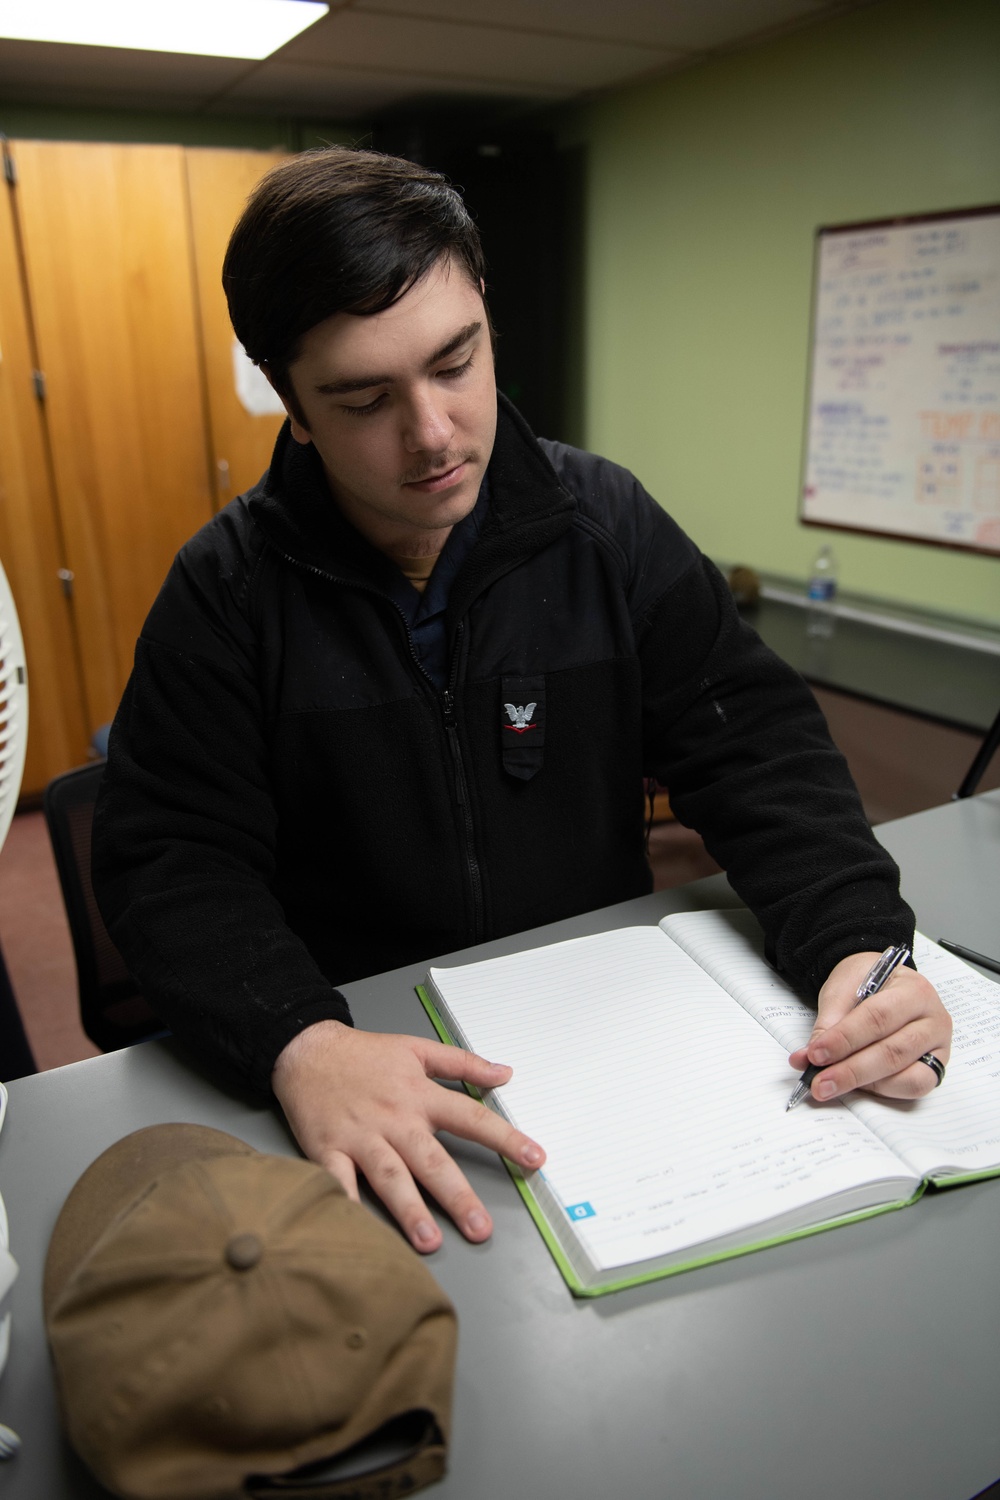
<point>529,508</point>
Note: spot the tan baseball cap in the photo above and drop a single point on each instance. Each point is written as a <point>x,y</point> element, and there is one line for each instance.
<point>225,1323</point>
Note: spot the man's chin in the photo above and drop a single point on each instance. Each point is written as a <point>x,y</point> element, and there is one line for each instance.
<point>445,509</point>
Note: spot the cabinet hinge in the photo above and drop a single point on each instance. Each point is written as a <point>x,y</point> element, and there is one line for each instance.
<point>66,576</point>
<point>9,165</point>
<point>38,381</point>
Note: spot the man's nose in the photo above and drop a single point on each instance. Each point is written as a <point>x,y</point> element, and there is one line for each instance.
<point>427,427</point>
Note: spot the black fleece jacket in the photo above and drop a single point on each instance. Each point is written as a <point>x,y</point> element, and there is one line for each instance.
<point>290,803</point>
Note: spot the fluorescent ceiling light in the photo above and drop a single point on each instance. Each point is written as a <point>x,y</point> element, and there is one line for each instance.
<point>211,28</point>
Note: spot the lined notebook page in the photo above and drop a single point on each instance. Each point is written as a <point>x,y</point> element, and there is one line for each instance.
<point>729,945</point>
<point>659,1102</point>
<point>954,1129</point>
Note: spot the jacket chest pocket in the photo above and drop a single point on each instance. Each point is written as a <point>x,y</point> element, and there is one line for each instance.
<point>522,725</point>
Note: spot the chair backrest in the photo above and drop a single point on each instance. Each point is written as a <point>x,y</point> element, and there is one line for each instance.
<point>112,1009</point>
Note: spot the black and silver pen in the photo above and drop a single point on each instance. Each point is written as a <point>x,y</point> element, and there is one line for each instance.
<point>870,985</point>
<point>974,958</point>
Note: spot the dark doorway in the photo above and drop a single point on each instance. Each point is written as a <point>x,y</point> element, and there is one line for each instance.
<point>526,194</point>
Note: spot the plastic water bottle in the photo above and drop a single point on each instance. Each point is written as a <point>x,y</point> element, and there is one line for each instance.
<point>821,593</point>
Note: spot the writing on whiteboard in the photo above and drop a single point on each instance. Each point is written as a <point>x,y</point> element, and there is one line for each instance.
<point>903,432</point>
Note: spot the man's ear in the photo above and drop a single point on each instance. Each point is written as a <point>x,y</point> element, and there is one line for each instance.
<point>300,432</point>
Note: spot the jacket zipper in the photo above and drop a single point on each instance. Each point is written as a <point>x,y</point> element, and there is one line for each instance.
<point>462,792</point>
<point>447,702</point>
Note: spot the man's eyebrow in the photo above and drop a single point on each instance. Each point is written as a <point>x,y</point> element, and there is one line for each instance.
<point>462,337</point>
<point>365,382</point>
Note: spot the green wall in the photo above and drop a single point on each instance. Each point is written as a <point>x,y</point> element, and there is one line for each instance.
<point>704,191</point>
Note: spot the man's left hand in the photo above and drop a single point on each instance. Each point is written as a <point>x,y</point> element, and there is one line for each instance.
<point>875,1045</point>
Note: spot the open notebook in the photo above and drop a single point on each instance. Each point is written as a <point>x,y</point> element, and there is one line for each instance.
<point>651,1063</point>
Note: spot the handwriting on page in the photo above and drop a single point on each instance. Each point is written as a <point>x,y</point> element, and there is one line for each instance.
<point>956,1127</point>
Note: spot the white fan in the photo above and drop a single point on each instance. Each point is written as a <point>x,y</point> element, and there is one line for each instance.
<point>13,706</point>
<point>13,740</point>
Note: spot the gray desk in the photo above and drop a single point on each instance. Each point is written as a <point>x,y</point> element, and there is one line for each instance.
<point>864,1362</point>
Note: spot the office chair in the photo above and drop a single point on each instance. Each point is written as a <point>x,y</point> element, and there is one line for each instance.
<point>112,1009</point>
<point>15,1054</point>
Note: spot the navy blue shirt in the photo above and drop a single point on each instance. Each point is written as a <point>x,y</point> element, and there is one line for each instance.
<point>424,612</point>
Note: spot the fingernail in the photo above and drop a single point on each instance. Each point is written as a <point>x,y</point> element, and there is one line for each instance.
<point>819,1054</point>
<point>531,1156</point>
<point>825,1089</point>
<point>424,1232</point>
<point>477,1221</point>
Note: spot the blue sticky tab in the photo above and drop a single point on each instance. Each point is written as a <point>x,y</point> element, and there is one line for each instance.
<point>580,1211</point>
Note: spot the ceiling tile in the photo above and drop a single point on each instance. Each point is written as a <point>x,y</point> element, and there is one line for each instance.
<point>691,25</point>
<point>342,93</point>
<point>477,55</point>
<point>52,73</point>
<point>331,93</point>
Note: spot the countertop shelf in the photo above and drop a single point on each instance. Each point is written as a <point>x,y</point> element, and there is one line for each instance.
<point>938,679</point>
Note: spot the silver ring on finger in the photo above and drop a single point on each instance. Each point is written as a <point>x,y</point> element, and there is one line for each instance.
<point>936,1066</point>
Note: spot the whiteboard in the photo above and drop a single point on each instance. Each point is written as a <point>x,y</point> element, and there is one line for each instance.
<point>903,414</point>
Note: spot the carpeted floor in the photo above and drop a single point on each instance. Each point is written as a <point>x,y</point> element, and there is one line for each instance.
<point>36,943</point>
<point>37,947</point>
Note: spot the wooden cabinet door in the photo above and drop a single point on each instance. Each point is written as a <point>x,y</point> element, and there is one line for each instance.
<point>219,183</point>
<point>110,286</point>
<point>30,545</point>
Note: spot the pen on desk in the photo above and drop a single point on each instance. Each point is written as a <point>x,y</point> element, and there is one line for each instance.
<point>870,985</point>
<point>974,958</point>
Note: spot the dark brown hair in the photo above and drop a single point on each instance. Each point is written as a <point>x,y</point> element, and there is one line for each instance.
<point>337,230</point>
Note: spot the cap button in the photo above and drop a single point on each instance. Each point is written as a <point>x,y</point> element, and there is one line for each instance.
<point>244,1251</point>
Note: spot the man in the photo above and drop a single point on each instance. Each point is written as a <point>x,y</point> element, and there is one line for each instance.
<point>401,696</point>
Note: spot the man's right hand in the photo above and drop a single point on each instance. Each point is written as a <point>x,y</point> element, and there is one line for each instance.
<point>364,1101</point>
